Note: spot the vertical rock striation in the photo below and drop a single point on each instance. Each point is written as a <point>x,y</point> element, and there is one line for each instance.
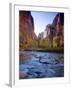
<point>59,26</point>
<point>54,32</point>
<point>26,30</point>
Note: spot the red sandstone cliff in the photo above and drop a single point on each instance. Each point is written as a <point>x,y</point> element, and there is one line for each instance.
<point>27,36</point>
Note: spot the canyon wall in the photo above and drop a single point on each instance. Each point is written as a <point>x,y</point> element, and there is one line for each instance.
<point>27,36</point>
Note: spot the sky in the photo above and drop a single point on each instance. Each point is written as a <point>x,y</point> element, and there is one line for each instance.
<point>41,19</point>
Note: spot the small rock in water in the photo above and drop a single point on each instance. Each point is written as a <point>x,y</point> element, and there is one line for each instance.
<point>22,75</point>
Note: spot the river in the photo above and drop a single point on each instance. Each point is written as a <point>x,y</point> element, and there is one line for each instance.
<point>41,65</point>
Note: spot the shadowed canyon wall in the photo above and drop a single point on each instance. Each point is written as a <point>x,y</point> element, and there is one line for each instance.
<point>53,35</point>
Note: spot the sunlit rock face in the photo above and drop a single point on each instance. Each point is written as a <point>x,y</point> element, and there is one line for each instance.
<point>26,29</point>
<point>26,20</point>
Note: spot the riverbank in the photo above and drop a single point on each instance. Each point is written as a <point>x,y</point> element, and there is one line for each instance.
<point>56,50</point>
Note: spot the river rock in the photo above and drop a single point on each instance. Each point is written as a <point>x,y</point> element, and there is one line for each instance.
<point>22,75</point>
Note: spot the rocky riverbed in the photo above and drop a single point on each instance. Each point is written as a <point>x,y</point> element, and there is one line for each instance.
<point>41,65</point>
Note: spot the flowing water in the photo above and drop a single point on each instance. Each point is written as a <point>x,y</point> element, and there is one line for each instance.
<point>41,65</point>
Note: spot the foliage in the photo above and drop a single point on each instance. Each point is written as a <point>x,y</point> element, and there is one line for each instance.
<point>43,43</point>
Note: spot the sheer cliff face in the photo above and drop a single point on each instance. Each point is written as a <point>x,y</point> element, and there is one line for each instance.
<point>54,32</point>
<point>61,16</point>
<point>59,23</point>
<point>26,29</point>
<point>26,21</point>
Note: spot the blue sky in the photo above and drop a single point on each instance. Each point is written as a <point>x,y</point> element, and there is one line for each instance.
<point>41,19</point>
